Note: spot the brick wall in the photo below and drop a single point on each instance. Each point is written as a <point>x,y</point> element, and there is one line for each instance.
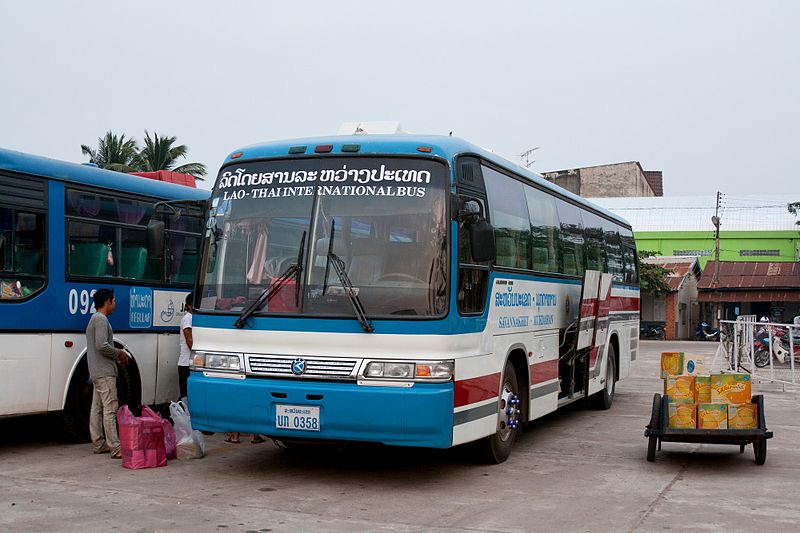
<point>671,316</point>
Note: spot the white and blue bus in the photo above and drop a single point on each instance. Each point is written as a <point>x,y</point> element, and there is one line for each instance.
<point>65,231</point>
<point>407,290</point>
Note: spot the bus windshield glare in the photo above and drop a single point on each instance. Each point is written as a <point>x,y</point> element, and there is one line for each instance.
<point>383,217</point>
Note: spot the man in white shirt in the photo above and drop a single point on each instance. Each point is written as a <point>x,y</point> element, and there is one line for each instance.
<point>186,341</point>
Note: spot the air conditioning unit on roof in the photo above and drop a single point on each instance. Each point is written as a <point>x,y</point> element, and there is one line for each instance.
<point>385,127</point>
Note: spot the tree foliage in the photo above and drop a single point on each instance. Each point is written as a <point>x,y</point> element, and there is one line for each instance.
<point>114,153</point>
<point>652,277</point>
<point>158,153</point>
<point>794,208</point>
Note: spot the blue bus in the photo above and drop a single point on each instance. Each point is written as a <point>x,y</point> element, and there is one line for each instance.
<point>65,230</point>
<point>406,290</point>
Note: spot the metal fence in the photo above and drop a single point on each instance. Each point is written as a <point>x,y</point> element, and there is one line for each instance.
<point>768,351</point>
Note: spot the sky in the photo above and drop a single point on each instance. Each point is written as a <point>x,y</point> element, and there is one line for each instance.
<point>708,92</point>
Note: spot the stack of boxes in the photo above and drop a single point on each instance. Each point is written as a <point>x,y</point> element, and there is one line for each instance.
<point>705,401</point>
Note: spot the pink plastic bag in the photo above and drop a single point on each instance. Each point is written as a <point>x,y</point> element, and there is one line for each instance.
<point>141,440</point>
<point>170,441</point>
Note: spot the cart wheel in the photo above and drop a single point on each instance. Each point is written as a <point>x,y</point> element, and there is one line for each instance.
<point>760,449</point>
<point>651,449</point>
<point>741,448</point>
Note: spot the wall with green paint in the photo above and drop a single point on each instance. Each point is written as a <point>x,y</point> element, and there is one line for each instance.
<point>734,245</point>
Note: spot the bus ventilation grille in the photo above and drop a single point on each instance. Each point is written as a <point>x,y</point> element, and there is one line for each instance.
<point>314,367</point>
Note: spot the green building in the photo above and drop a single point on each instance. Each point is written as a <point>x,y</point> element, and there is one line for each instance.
<point>752,228</point>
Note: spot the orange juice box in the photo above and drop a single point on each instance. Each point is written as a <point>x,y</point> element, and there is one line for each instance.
<point>693,365</point>
<point>742,416</point>
<point>682,415</point>
<point>730,388</point>
<point>712,416</point>
<point>702,387</point>
<point>671,363</point>
<point>679,389</point>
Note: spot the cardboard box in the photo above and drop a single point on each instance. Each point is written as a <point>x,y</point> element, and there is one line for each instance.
<point>671,363</point>
<point>693,365</point>
<point>712,416</point>
<point>682,415</point>
<point>730,388</point>
<point>742,416</point>
<point>680,389</point>
<point>702,388</point>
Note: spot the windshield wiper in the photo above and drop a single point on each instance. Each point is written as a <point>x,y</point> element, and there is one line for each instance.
<point>351,292</point>
<point>344,279</point>
<point>267,294</point>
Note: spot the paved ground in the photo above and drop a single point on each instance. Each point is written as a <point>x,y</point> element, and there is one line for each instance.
<point>573,471</point>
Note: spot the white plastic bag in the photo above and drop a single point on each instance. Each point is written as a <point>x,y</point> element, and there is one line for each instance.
<point>190,443</point>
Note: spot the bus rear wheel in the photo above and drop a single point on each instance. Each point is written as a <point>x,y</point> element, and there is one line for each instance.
<point>496,448</point>
<point>605,397</point>
<point>75,417</point>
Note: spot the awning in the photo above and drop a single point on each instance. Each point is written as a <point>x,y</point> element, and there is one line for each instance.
<point>749,296</point>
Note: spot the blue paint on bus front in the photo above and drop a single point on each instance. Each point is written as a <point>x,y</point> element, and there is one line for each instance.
<point>421,415</point>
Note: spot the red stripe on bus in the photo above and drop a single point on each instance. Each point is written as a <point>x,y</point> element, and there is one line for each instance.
<point>621,303</point>
<point>473,390</point>
<point>544,371</point>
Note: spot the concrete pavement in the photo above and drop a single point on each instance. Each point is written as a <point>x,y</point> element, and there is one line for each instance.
<point>576,470</point>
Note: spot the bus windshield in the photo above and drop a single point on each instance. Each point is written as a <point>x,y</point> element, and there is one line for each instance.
<point>382,219</point>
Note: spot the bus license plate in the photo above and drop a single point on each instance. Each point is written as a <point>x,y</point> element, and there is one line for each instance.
<point>297,417</point>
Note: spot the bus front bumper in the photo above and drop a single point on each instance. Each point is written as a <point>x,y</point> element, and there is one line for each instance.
<point>421,415</point>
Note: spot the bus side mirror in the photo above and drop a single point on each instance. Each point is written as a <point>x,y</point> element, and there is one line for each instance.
<point>481,239</point>
<point>155,238</point>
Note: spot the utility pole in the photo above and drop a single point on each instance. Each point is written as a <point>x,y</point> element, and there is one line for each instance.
<point>715,220</point>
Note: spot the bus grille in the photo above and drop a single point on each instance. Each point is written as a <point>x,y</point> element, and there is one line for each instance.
<point>314,367</point>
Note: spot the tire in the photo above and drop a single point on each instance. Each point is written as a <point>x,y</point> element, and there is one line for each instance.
<point>661,335</point>
<point>603,399</point>
<point>651,449</point>
<point>761,358</point>
<point>760,451</point>
<point>496,448</point>
<point>75,417</point>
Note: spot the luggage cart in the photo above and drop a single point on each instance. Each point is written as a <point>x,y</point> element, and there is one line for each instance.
<point>658,431</point>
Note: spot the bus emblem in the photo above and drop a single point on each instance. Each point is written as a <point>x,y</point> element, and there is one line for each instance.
<point>298,367</point>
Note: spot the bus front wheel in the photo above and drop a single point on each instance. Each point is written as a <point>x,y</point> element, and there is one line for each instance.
<point>496,448</point>
<point>75,417</point>
<point>605,397</point>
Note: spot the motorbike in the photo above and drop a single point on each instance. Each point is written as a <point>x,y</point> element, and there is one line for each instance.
<point>705,332</point>
<point>778,348</point>
<point>652,331</point>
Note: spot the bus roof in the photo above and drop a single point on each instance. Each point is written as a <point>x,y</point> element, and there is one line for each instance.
<point>23,163</point>
<point>446,147</point>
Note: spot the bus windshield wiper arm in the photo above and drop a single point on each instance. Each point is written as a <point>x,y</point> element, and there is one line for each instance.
<point>267,294</point>
<point>350,291</point>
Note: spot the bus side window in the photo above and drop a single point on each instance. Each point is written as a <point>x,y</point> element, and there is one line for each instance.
<point>22,264</point>
<point>594,242</point>
<point>544,230</point>
<point>508,213</point>
<point>613,251</point>
<point>572,243</point>
<point>473,278</point>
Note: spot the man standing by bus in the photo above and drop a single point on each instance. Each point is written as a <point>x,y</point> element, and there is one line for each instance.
<point>185,343</point>
<point>102,358</point>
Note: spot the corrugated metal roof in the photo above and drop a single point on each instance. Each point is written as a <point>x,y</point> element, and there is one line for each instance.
<point>693,213</point>
<point>749,296</point>
<point>744,275</point>
<point>680,268</point>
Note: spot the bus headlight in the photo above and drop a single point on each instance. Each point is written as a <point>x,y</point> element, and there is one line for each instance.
<point>422,371</point>
<point>217,361</point>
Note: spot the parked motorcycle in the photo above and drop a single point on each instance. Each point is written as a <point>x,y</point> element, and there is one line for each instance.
<point>652,331</point>
<point>779,347</point>
<point>705,332</point>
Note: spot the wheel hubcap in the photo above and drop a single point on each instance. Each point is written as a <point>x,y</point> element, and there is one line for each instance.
<point>509,413</point>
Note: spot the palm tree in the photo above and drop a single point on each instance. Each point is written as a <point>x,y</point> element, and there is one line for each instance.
<point>159,153</point>
<point>114,153</point>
